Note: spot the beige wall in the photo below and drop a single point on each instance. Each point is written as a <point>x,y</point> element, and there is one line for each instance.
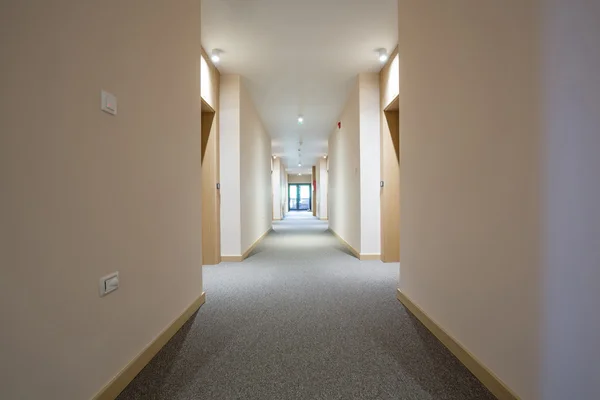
<point>354,168</point>
<point>313,188</point>
<point>277,186</point>
<point>280,194</point>
<point>255,173</point>
<point>245,170</point>
<point>209,76</point>
<point>390,78</point>
<point>85,193</point>
<point>344,176</point>
<point>317,199</point>
<point>323,186</point>
<point>284,190</point>
<point>229,132</point>
<point>370,165</point>
<point>571,280</point>
<point>294,178</point>
<point>470,178</point>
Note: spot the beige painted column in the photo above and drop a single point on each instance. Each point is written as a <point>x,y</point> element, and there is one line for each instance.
<point>277,189</point>
<point>314,190</point>
<point>323,188</point>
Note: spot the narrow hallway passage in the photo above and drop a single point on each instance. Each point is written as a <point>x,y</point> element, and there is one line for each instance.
<point>303,319</point>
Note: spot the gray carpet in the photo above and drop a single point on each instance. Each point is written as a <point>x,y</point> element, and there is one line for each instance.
<point>303,319</point>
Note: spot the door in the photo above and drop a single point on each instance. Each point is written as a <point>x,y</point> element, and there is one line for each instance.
<point>300,197</point>
<point>293,197</point>
<point>209,159</point>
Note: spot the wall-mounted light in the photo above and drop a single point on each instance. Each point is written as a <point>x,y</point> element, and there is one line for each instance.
<point>274,157</point>
<point>325,156</point>
<point>300,120</point>
<point>215,55</point>
<point>383,55</point>
<point>299,174</point>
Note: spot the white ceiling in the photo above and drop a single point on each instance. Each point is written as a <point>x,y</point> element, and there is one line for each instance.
<point>299,57</point>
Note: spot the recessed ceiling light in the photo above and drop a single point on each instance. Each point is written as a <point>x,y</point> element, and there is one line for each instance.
<point>300,120</point>
<point>215,56</point>
<point>383,55</point>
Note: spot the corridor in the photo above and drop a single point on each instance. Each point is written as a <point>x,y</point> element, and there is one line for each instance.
<point>303,319</point>
<point>154,156</point>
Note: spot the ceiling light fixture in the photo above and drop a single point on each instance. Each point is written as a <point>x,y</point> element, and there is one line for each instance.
<point>300,164</point>
<point>300,121</point>
<point>215,55</point>
<point>383,55</point>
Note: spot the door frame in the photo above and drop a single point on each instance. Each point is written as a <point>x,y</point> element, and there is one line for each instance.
<point>298,196</point>
<point>390,175</point>
<point>211,197</point>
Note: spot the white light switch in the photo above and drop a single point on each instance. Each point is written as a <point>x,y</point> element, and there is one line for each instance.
<point>109,283</point>
<point>109,103</point>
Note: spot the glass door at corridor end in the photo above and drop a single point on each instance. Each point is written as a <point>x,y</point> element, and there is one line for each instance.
<point>300,197</point>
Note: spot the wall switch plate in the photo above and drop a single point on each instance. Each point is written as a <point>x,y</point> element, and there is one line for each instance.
<point>108,284</point>
<point>108,102</point>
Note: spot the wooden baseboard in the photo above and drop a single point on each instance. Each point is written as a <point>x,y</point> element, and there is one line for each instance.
<point>362,257</point>
<point>127,374</point>
<point>324,219</point>
<point>370,257</point>
<point>387,260</point>
<point>231,259</point>
<point>481,372</point>
<point>247,252</point>
<point>352,249</point>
